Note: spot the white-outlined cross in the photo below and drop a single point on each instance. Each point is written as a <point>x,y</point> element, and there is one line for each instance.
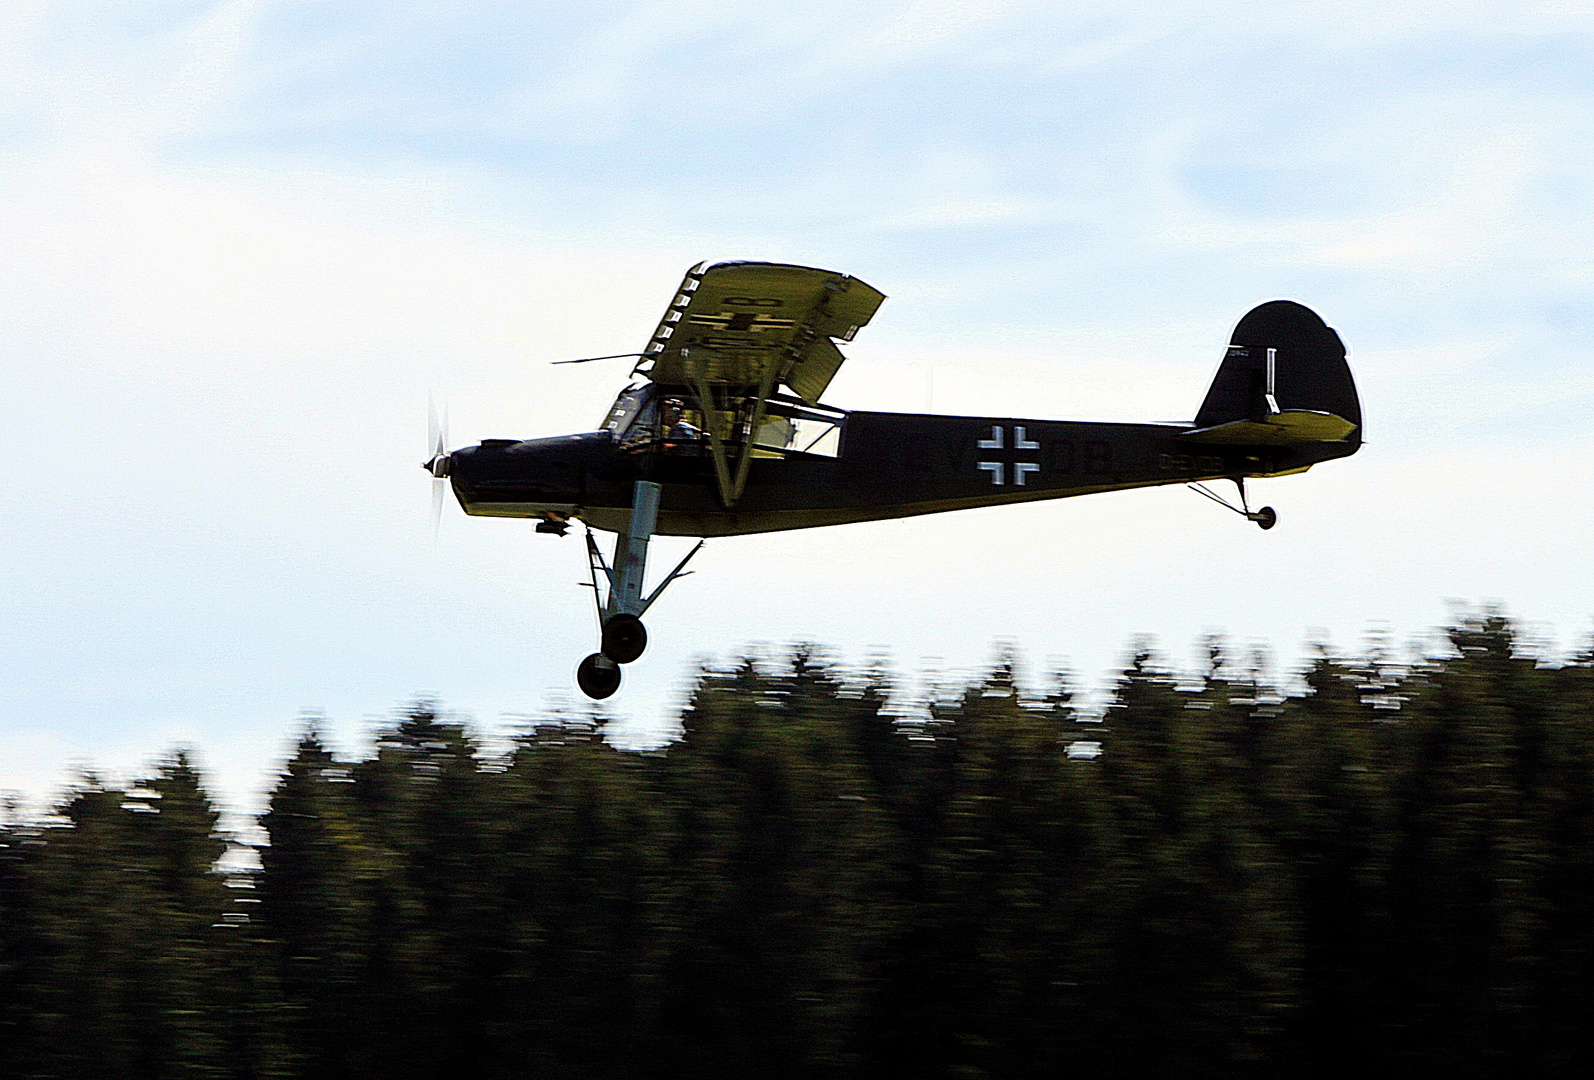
<point>998,469</point>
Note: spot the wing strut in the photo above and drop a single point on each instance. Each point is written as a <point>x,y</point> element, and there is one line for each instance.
<point>765,388</point>
<point>731,485</point>
<point>716,443</point>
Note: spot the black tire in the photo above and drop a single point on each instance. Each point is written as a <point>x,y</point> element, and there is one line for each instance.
<point>598,676</point>
<point>624,638</point>
<point>1266,518</point>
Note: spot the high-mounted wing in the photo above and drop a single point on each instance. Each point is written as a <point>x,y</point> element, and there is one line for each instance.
<point>756,325</point>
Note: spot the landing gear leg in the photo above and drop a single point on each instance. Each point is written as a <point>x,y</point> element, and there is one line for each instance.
<point>623,638</point>
<point>1265,518</point>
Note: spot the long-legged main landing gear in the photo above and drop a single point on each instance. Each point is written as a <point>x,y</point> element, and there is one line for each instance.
<point>623,638</point>
<point>1265,518</point>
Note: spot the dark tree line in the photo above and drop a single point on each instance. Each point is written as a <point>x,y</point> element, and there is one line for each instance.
<point>1395,866</point>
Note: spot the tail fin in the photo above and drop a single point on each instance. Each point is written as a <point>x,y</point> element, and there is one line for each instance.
<point>1284,382</point>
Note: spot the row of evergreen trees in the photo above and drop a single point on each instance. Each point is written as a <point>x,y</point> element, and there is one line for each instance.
<point>1390,866</point>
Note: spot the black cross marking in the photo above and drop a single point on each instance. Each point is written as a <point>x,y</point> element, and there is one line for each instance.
<point>742,321</point>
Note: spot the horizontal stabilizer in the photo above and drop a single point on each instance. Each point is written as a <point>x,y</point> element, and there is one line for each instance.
<point>1292,427</point>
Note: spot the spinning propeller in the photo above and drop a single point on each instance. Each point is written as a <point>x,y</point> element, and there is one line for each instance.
<point>437,464</point>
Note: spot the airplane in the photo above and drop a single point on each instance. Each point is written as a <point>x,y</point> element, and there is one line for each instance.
<point>721,432</point>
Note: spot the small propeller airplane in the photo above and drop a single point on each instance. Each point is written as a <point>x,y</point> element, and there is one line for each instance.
<point>721,432</point>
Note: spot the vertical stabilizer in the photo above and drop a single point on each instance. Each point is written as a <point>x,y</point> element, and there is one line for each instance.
<point>1283,359</point>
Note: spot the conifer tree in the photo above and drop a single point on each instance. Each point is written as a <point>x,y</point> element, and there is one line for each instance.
<point>1567,985</point>
<point>1323,801</point>
<point>584,882</point>
<point>90,984</point>
<point>433,938</point>
<point>318,905</point>
<point>1013,885</point>
<point>17,947</point>
<point>781,852</point>
<point>1466,877</point>
<point>209,1005</point>
<point>1204,955</point>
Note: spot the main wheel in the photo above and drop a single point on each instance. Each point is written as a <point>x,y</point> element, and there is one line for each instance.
<point>624,638</point>
<point>598,676</point>
<point>1266,518</point>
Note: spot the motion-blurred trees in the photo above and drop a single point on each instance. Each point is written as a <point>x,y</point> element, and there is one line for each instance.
<point>779,856</point>
<point>128,955</point>
<point>1012,889</point>
<point>1385,863</point>
<point>1204,963</point>
<point>583,882</point>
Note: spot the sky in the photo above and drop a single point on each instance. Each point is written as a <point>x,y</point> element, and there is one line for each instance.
<point>242,243</point>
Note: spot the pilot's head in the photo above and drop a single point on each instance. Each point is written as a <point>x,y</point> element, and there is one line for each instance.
<point>672,410</point>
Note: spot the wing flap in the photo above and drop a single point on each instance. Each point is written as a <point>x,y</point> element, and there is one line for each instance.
<point>1292,427</point>
<point>819,364</point>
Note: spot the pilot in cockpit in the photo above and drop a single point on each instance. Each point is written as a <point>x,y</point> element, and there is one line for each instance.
<point>673,422</point>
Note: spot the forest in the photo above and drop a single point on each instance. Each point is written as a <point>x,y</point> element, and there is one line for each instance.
<point>1377,863</point>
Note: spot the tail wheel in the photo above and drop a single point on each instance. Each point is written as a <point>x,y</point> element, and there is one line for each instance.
<point>598,676</point>
<point>624,638</point>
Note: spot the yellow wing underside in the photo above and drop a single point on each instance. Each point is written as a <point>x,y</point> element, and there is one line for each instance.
<point>748,324</point>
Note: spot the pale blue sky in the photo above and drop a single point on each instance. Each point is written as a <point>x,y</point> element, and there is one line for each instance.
<point>243,241</point>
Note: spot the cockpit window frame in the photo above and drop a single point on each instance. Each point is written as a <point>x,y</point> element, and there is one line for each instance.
<point>620,418</point>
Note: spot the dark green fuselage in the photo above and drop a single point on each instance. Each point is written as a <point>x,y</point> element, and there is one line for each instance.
<point>888,465</point>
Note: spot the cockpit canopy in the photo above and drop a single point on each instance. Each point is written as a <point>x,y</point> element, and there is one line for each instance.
<point>647,417</point>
